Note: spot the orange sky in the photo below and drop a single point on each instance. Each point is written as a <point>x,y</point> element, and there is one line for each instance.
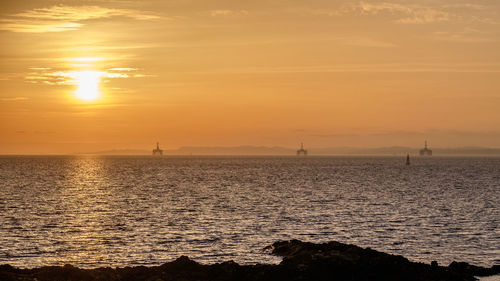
<point>226,73</point>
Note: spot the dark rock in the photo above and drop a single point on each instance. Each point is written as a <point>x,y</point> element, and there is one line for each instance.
<point>302,261</point>
<point>466,268</point>
<point>340,261</point>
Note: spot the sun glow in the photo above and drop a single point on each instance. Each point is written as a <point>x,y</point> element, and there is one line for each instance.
<point>88,85</point>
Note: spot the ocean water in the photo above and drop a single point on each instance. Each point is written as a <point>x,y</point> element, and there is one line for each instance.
<point>94,211</point>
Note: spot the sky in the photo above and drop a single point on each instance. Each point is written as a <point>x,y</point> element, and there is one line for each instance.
<point>83,76</point>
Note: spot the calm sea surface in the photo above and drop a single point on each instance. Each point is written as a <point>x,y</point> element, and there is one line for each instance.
<point>94,211</point>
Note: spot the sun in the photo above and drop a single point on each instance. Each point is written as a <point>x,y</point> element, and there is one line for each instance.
<point>88,85</point>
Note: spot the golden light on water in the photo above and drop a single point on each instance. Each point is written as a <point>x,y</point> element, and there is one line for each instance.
<point>88,85</point>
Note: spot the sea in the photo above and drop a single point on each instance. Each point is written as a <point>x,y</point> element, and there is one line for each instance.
<point>109,211</point>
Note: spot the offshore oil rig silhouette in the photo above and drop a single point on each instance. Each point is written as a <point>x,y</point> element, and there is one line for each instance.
<point>301,151</point>
<point>425,151</point>
<point>157,151</point>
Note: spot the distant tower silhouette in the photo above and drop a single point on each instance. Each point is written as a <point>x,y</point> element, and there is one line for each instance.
<point>301,151</point>
<point>407,159</point>
<point>157,151</point>
<point>425,151</point>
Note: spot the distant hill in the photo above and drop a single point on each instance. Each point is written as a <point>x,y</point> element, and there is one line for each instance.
<point>394,150</point>
<point>283,151</point>
<point>233,150</point>
<point>467,151</point>
<point>120,152</point>
<point>401,150</point>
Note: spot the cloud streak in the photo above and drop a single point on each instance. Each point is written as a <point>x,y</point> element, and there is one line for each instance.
<point>65,18</point>
<point>48,76</point>
<point>375,68</point>
<point>14,99</point>
<point>225,13</point>
<point>396,133</point>
<point>412,14</point>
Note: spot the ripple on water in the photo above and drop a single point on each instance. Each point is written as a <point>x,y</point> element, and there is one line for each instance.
<point>117,211</point>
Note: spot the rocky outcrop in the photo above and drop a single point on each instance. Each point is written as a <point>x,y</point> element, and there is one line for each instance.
<point>340,261</point>
<point>301,261</point>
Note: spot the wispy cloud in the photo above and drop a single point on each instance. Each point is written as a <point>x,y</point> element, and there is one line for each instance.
<point>375,68</point>
<point>366,42</point>
<point>410,14</point>
<point>64,18</point>
<point>49,76</point>
<point>37,26</point>
<point>420,134</point>
<point>39,68</point>
<point>122,69</point>
<point>466,35</point>
<point>472,6</point>
<point>430,13</point>
<point>76,13</point>
<point>218,13</point>
<point>14,99</point>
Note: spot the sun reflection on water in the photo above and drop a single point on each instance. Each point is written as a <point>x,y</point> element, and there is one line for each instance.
<point>84,205</point>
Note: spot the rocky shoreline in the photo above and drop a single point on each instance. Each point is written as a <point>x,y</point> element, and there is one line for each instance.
<point>301,261</point>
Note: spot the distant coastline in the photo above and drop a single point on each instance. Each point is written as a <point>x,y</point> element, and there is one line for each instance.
<point>285,151</point>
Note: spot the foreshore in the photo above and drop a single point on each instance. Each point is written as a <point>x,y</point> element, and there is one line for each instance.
<point>301,261</point>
